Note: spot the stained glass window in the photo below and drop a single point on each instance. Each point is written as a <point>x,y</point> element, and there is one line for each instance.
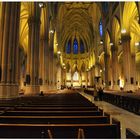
<point>75,46</point>
<point>100,28</point>
<point>105,7</point>
<point>82,49</point>
<point>68,47</point>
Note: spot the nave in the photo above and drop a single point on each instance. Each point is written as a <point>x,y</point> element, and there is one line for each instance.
<point>46,47</point>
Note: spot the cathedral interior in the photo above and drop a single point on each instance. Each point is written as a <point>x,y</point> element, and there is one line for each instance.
<point>81,48</point>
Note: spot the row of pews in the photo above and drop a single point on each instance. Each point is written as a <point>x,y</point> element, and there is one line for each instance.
<point>55,116</point>
<point>89,91</point>
<point>128,101</point>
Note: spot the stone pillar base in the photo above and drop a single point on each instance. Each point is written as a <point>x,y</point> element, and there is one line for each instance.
<point>128,87</point>
<point>32,89</point>
<point>8,91</point>
<point>106,87</point>
<point>115,87</point>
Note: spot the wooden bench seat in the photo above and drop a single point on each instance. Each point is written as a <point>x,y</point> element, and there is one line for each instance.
<point>58,130</point>
<point>52,113</point>
<point>74,99</point>
<point>55,108</point>
<point>126,101</point>
<point>55,99</point>
<point>130,134</point>
<point>90,92</point>
<point>55,119</point>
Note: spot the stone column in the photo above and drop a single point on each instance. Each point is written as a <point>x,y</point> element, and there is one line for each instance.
<point>133,70</point>
<point>59,77</point>
<point>86,78</point>
<point>89,77</point>
<point>127,62</point>
<point>106,58</point>
<point>115,74</point>
<point>44,65</point>
<point>51,57</point>
<point>71,79</point>
<point>63,73</point>
<point>32,77</point>
<point>9,49</point>
<point>54,72</point>
<point>49,68</point>
<point>80,78</point>
<point>41,61</point>
<point>93,75</point>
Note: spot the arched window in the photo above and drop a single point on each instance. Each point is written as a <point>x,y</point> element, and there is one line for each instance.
<point>105,7</point>
<point>100,28</point>
<point>68,47</point>
<point>75,46</point>
<point>75,76</point>
<point>82,49</point>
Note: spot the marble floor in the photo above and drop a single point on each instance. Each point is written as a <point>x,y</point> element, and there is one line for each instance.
<point>127,119</point>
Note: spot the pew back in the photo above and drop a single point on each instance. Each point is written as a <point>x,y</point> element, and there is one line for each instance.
<point>58,130</point>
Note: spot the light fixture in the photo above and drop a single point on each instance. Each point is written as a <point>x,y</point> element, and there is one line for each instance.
<point>59,52</point>
<point>101,42</point>
<point>41,4</point>
<point>100,71</point>
<point>63,64</point>
<point>64,67</point>
<point>111,44</point>
<point>56,44</point>
<point>87,69</point>
<point>137,43</point>
<point>51,31</point>
<point>123,31</point>
<point>120,41</point>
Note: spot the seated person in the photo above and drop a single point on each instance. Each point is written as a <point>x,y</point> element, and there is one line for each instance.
<point>41,93</point>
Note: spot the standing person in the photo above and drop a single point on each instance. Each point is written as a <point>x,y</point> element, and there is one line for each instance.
<point>95,94</point>
<point>100,94</point>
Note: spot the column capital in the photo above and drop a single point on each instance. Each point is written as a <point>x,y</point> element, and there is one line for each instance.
<point>106,55</point>
<point>125,38</point>
<point>114,48</point>
<point>133,55</point>
<point>43,38</point>
<point>34,20</point>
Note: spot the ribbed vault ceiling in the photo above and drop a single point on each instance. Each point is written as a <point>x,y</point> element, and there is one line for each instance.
<point>76,20</point>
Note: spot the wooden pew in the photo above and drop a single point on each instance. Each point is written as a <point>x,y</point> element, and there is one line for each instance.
<point>54,119</point>
<point>128,101</point>
<point>89,91</point>
<point>52,113</point>
<point>107,114</point>
<point>58,130</point>
<point>130,134</point>
<point>29,108</point>
<point>117,122</point>
<point>56,99</point>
